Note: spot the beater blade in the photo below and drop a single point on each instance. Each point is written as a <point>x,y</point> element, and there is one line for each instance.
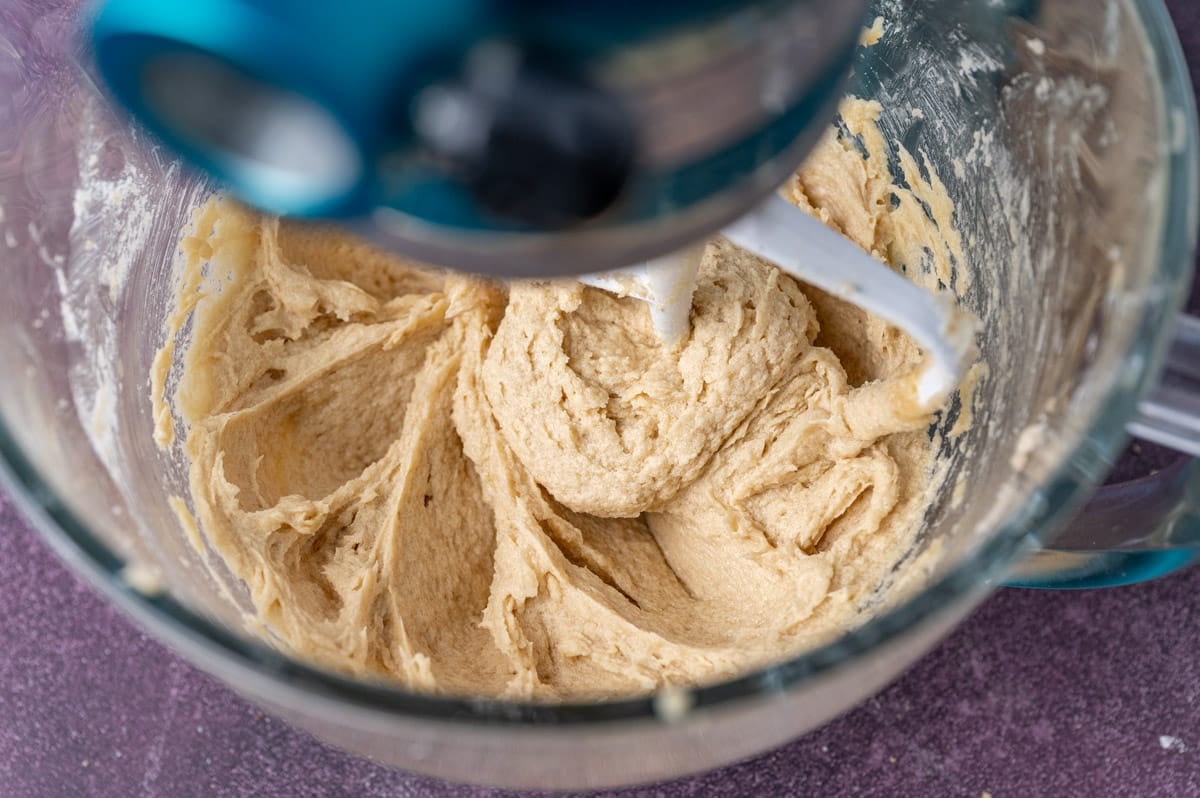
<point>665,283</point>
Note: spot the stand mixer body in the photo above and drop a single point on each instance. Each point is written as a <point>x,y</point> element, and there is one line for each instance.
<point>513,138</point>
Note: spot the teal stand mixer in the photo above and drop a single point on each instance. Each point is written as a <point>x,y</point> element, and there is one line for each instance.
<point>477,132</point>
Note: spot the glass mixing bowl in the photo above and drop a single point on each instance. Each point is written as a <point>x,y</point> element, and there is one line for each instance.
<point>1064,131</point>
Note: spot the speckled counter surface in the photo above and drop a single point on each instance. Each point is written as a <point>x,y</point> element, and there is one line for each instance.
<point>1037,694</point>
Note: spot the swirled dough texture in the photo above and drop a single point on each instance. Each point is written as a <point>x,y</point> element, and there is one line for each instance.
<point>522,491</point>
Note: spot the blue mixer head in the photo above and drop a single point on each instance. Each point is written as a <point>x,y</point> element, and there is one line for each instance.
<point>497,135</point>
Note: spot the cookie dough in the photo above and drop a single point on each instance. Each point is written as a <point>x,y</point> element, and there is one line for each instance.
<point>521,491</point>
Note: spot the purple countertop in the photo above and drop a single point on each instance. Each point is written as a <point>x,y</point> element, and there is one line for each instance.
<point>1093,693</point>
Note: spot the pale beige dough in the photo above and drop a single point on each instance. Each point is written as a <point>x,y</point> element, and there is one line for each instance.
<point>471,489</point>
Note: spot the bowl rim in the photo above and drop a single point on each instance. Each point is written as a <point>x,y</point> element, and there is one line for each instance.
<point>277,677</point>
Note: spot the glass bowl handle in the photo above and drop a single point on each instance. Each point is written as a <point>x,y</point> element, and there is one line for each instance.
<point>1170,415</point>
<point>1146,527</point>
